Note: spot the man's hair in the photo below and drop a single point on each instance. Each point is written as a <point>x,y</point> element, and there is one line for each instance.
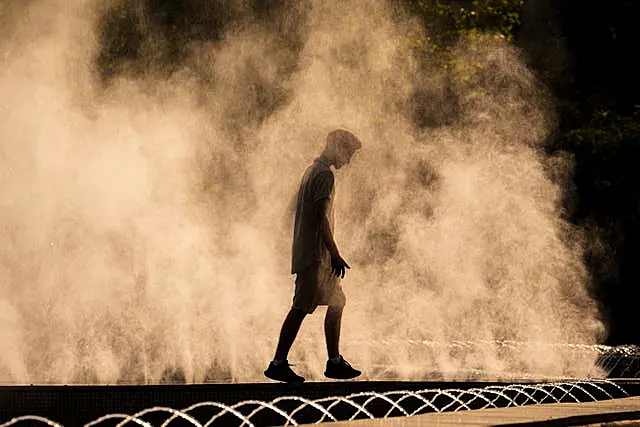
<point>343,139</point>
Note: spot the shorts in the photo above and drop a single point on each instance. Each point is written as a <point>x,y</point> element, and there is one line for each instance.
<point>317,285</point>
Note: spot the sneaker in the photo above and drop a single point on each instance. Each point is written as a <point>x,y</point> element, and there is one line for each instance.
<point>283,372</point>
<point>341,370</point>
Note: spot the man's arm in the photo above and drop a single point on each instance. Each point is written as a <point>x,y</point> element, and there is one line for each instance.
<point>338,264</point>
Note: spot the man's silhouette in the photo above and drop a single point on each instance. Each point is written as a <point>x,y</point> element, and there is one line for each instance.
<point>316,261</point>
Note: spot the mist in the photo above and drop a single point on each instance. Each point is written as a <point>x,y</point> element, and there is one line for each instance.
<point>146,217</point>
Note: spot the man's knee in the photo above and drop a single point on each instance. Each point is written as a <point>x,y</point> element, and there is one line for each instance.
<point>337,302</point>
<point>335,308</point>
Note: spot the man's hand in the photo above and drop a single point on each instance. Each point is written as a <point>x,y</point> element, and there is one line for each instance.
<point>338,265</point>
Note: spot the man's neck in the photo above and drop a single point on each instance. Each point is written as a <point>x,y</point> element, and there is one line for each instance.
<point>324,159</point>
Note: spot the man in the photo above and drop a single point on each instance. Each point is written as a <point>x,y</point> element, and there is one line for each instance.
<point>316,262</point>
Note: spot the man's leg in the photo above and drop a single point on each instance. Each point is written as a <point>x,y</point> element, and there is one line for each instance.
<point>304,302</point>
<point>288,333</point>
<point>279,369</point>
<point>337,367</point>
<point>332,321</point>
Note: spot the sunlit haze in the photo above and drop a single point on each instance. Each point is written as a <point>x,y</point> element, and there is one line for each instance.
<point>146,215</point>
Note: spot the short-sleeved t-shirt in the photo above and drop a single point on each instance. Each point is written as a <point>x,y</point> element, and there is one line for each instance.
<point>315,188</point>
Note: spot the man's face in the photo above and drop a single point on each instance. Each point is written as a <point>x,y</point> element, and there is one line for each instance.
<point>343,157</point>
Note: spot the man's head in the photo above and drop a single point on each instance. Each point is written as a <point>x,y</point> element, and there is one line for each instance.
<point>341,146</point>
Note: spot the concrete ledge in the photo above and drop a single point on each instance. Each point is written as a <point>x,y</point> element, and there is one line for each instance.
<point>74,405</point>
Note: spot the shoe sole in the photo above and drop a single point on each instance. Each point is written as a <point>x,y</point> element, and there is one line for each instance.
<point>284,381</point>
<point>343,378</point>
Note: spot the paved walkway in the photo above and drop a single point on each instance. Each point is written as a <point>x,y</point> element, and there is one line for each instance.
<point>548,414</point>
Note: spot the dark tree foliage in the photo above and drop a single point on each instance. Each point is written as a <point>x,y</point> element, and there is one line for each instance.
<point>601,126</point>
<point>602,39</point>
<point>607,149</point>
<point>138,36</point>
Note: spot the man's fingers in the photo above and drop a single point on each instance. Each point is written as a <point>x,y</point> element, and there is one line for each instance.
<point>339,268</point>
